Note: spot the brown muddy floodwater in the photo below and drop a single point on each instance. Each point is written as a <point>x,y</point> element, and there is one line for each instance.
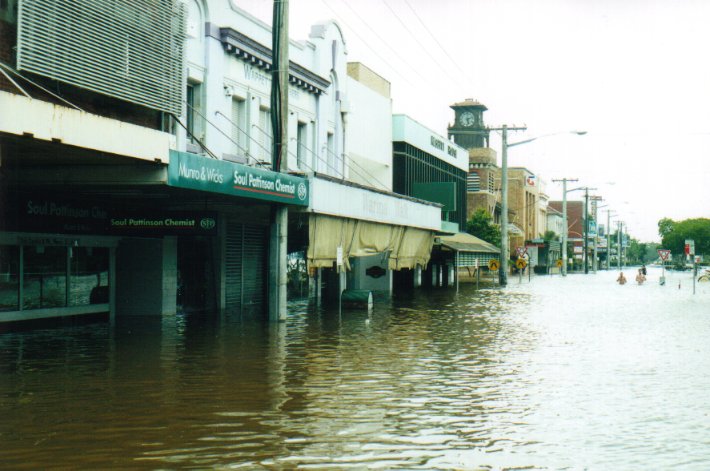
<point>573,373</point>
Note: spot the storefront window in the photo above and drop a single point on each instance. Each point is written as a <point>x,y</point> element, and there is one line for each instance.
<point>88,282</point>
<point>9,278</point>
<point>45,277</point>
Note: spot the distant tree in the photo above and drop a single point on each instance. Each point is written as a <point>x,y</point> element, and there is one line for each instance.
<point>651,252</point>
<point>665,227</point>
<point>677,232</point>
<point>636,252</point>
<point>550,235</point>
<point>481,225</point>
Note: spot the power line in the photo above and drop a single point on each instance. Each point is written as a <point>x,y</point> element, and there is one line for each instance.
<point>414,36</point>
<point>386,43</point>
<point>443,49</point>
<point>354,31</point>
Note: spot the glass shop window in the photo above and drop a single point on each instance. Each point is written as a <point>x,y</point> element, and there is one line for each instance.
<point>88,275</point>
<point>45,277</point>
<point>9,277</point>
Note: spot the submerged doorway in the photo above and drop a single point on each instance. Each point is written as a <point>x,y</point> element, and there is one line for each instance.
<point>196,280</point>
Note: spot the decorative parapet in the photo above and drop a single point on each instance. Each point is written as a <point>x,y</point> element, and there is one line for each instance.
<point>482,157</point>
<point>260,56</point>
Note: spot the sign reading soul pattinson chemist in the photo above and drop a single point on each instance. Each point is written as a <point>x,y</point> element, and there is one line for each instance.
<point>49,214</point>
<point>218,176</point>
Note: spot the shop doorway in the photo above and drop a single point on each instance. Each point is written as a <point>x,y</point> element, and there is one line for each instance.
<point>196,280</point>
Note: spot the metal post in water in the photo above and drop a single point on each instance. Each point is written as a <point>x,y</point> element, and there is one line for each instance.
<point>478,273</point>
<point>456,271</point>
<point>695,272</point>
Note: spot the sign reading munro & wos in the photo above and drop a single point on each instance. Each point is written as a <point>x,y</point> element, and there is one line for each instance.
<point>218,176</point>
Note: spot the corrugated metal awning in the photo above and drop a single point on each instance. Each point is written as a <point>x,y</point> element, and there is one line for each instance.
<point>464,242</point>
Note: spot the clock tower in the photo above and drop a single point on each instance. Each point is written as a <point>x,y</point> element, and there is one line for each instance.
<point>468,129</point>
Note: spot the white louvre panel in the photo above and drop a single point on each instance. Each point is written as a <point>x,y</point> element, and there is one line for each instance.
<point>127,49</point>
<point>473,182</point>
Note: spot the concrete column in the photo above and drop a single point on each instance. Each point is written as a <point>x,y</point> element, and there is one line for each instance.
<point>417,276</point>
<point>146,277</point>
<point>169,275</point>
<point>452,272</point>
<point>112,284</point>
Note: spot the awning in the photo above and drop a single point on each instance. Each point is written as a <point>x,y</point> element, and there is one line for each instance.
<point>406,247</point>
<point>515,230</point>
<point>465,242</point>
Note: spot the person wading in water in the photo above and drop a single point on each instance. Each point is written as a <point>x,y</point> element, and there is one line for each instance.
<point>622,279</point>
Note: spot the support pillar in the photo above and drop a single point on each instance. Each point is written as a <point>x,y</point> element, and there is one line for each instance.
<point>417,276</point>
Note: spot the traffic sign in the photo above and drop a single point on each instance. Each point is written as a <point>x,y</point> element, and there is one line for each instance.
<point>521,263</point>
<point>559,263</point>
<point>521,251</point>
<point>664,253</point>
<point>689,247</point>
<point>493,265</point>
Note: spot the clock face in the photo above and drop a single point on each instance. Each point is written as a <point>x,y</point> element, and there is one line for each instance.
<point>467,119</point>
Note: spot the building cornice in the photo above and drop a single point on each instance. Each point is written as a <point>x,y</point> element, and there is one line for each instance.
<point>249,50</point>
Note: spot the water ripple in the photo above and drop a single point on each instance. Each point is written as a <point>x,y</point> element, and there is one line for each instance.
<point>572,373</point>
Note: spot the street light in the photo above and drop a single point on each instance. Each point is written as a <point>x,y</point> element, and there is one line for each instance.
<point>596,235</point>
<point>503,274</point>
<point>565,226</point>
<point>608,236</point>
<point>619,248</point>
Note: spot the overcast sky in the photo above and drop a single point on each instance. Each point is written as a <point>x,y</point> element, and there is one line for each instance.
<point>634,74</point>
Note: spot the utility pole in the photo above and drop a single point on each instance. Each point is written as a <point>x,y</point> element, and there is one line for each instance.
<point>586,230</point>
<point>608,238</point>
<point>504,244</point>
<point>279,122</point>
<point>595,207</point>
<point>565,229</point>
<point>618,245</point>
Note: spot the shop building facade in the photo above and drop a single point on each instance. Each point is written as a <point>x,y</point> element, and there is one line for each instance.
<point>149,192</point>
<point>431,167</point>
<point>121,194</point>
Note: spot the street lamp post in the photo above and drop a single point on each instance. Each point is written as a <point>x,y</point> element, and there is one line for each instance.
<point>586,230</point>
<point>618,245</point>
<point>608,237</point>
<point>565,227</point>
<point>595,208</point>
<point>503,274</point>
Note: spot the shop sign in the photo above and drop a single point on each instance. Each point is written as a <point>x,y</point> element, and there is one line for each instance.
<point>161,223</point>
<point>45,214</point>
<point>196,172</point>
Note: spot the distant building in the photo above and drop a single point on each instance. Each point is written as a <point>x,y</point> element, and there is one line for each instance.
<point>555,222</point>
<point>483,178</point>
<point>575,227</point>
<point>430,167</point>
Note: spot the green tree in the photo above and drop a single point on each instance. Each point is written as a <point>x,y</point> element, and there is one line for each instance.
<point>550,235</point>
<point>481,225</point>
<point>636,252</point>
<point>651,252</point>
<point>676,233</point>
<point>665,227</point>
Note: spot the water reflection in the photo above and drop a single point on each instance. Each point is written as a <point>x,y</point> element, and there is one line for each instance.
<point>558,373</point>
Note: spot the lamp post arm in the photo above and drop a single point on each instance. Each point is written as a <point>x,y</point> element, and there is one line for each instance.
<point>579,133</point>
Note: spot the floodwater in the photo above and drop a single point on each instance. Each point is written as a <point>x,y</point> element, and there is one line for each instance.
<point>556,373</point>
